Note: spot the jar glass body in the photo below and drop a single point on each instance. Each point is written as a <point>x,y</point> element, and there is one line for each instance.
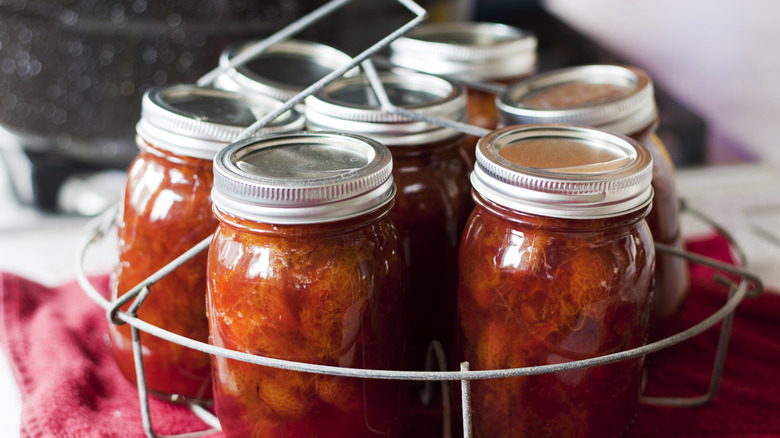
<point>166,210</point>
<point>432,203</point>
<point>535,290</point>
<point>329,293</point>
<point>671,272</point>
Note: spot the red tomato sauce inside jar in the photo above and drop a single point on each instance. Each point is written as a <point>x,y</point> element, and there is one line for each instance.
<point>301,271</point>
<point>167,210</point>
<point>554,270</point>
<point>618,99</point>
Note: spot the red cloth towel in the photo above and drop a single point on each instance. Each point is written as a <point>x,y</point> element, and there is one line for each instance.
<point>55,340</point>
<point>748,403</point>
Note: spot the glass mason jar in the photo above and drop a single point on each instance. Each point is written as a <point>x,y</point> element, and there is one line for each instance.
<point>618,99</point>
<point>476,53</point>
<point>305,266</point>
<point>281,71</point>
<point>430,171</point>
<point>166,211</point>
<point>556,265</point>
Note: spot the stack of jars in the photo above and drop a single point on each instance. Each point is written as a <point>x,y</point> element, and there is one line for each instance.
<point>357,238</point>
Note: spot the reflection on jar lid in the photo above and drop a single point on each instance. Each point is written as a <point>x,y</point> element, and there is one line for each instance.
<point>302,161</point>
<point>198,121</point>
<point>564,155</point>
<point>610,97</point>
<point>302,177</point>
<point>573,94</point>
<point>563,171</point>
<point>349,104</point>
<point>467,51</point>
<point>282,70</point>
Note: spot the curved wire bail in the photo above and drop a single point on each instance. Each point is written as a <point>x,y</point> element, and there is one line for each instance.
<point>749,283</point>
<point>755,284</point>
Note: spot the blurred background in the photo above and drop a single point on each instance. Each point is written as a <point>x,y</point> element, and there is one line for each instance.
<point>72,73</point>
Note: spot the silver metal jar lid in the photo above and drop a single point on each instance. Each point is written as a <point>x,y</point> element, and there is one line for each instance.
<point>350,105</point>
<point>281,71</point>
<point>302,177</point>
<point>563,171</point>
<point>198,121</point>
<point>610,97</point>
<point>467,51</point>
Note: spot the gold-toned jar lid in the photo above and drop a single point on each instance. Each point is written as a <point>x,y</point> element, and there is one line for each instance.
<point>563,171</point>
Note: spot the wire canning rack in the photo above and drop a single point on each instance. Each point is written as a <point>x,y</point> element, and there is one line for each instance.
<point>749,285</point>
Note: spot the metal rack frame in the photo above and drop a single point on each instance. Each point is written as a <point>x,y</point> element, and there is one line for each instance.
<point>748,286</point>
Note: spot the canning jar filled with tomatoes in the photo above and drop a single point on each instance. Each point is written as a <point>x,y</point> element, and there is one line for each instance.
<point>486,56</point>
<point>166,211</point>
<point>618,99</point>
<point>432,201</point>
<point>556,265</point>
<point>305,266</point>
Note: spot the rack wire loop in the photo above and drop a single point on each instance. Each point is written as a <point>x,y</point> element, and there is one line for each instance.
<point>436,352</point>
<point>750,282</point>
<point>749,285</point>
